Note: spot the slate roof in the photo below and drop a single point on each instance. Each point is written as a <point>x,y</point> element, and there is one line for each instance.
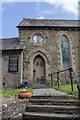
<point>12,44</point>
<point>48,23</point>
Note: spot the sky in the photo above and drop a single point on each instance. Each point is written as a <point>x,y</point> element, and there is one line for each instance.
<point>13,11</point>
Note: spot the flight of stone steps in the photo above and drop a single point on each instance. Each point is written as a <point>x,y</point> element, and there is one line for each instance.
<point>57,107</point>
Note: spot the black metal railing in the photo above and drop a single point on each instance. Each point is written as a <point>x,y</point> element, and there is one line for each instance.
<point>78,85</point>
<point>71,72</point>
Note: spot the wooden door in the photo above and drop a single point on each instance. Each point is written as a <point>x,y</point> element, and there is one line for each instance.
<point>38,70</point>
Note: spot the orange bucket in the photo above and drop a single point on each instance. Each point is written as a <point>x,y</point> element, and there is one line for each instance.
<point>25,94</point>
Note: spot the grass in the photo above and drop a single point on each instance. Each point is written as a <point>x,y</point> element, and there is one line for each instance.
<point>67,89</point>
<point>63,88</point>
<point>11,92</point>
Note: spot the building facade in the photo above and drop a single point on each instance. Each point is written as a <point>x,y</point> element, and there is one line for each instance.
<point>43,47</point>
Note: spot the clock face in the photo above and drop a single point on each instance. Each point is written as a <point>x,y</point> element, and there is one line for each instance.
<point>38,38</point>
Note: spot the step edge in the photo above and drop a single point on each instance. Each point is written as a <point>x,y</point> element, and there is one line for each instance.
<point>49,115</point>
<point>53,106</point>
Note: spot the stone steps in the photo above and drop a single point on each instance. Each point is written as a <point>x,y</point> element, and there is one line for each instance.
<point>53,102</point>
<point>54,97</point>
<point>54,107</point>
<point>48,116</point>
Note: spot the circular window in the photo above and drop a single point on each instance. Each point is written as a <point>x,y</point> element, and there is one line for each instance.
<point>38,38</point>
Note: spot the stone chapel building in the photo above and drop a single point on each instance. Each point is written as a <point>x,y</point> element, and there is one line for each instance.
<point>43,47</point>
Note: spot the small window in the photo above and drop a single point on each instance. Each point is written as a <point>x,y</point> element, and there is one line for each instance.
<point>13,64</point>
<point>65,49</point>
<point>38,38</point>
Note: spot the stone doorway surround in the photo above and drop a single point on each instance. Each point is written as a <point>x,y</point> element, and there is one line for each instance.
<point>47,59</point>
<point>46,68</point>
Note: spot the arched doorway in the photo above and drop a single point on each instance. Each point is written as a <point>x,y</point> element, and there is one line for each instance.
<point>38,70</point>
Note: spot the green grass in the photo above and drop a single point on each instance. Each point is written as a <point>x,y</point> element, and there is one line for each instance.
<point>10,92</point>
<point>64,88</point>
<point>67,88</point>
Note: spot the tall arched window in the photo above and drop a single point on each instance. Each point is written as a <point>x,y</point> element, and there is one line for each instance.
<point>65,49</point>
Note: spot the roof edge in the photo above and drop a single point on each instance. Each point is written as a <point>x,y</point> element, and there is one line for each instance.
<point>49,19</point>
<point>9,38</point>
<point>48,26</point>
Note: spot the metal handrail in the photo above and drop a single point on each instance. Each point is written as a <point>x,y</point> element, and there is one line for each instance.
<point>62,71</point>
<point>71,77</point>
<point>78,85</point>
<point>76,77</point>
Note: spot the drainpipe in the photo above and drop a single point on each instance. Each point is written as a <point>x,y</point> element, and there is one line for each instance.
<point>21,66</point>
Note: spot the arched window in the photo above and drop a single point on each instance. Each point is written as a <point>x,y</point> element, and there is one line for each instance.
<point>65,49</point>
<point>38,38</point>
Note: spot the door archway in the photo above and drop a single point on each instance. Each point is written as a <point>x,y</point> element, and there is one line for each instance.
<point>38,70</point>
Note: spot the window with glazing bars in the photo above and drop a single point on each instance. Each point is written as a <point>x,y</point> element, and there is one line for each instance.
<point>65,49</point>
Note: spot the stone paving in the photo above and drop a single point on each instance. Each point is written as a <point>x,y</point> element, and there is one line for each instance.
<point>47,91</point>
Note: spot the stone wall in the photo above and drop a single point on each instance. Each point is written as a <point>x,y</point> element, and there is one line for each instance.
<point>79,54</point>
<point>51,45</point>
<point>10,80</point>
<point>14,110</point>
